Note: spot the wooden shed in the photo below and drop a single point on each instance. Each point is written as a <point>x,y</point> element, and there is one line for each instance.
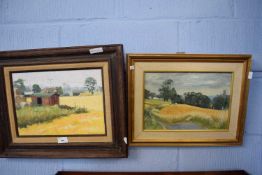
<point>45,99</point>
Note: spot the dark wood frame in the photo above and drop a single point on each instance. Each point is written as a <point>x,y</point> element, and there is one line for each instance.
<point>236,172</point>
<point>215,58</point>
<point>113,54</point>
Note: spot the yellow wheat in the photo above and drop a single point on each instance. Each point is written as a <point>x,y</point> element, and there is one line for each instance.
<point>180,111</point>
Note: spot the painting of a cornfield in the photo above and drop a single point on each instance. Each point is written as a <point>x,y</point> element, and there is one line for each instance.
<point>62,102</point>
<point>187,101</point>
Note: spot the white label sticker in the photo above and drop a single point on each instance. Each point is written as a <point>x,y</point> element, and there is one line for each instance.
<point>96,50</point>
<point>125,140</point>
<point>250,75</point>
<point>132,67</point>
<point>62,140</point>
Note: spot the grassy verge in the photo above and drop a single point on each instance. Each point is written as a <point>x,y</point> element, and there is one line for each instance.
<point>39,114</point>
<point>206,123</point>
<point>150,121</point>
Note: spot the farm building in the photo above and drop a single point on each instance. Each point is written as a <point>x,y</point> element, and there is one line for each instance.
<point>45,99</point>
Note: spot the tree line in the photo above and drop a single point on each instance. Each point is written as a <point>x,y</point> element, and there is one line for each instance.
<point>167,92</point>
<point>90,84</point>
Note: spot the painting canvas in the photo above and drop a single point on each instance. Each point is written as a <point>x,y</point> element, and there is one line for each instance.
<point>61,102</point>
<point>186,101</point>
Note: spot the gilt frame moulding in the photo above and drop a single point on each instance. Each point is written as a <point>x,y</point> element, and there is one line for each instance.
<point>63,102</point>
<point>187,99</point>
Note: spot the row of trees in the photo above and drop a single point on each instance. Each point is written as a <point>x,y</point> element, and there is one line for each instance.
<point>90,84</point>
<point>20,85</point>
<point>167,92</point>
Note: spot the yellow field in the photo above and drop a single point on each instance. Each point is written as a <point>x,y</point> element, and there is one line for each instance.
<point>178,112</point>
<point>155,103</point>
<point>89,123</point>
<point>84,123</point>
<point>91,103</point>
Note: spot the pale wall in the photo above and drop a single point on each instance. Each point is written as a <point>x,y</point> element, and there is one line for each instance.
<point>167,26</point>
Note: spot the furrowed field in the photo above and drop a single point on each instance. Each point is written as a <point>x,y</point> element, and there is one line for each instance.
<point>74,115</point>
<point>164,115</point>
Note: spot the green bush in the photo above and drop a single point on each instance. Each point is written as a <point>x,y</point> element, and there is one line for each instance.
<point>79,110</point>
<point>65,107</point>
<point>39,114</point>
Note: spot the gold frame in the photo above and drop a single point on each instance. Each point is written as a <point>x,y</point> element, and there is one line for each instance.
<point>240,64</point>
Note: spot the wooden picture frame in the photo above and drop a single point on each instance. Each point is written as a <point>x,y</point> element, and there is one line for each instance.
<point>63,102</point>
<point>187,99</point>
<point>231,172</point>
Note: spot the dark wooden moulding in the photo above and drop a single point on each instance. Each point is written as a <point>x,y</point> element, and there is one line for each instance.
<point>113,54</point>
<point>237,172</point>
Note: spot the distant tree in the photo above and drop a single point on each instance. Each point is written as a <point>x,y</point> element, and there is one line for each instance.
<point>90,83</point>
<point>173,92</point>
<point>190,98</point>
<point>221,102</point>
<point>66,94</point>
<point>227,101</point>
<point>204,101</point>
<point>177,99</point>
<point>174,97</point>
<point>152,95</point>
<point>19,84</point>
<point>60,90</point>
<point>147,94</point>
<point>197,99</point>
<point>158,96</point>
<point>165,90</point>
<point>36,88</point>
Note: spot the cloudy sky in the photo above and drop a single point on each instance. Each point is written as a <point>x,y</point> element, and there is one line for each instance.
<point>210,84</point>
<point>73,78</point>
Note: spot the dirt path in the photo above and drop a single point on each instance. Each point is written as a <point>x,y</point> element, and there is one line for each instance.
<point>86,123</point>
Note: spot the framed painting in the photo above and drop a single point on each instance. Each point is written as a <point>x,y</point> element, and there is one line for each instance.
<point>63,102</point>
<point>187,99</point>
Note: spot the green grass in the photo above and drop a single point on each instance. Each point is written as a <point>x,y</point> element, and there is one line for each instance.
<point>39,114</point>
<point>209,124</point>
<point>150,121</point>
